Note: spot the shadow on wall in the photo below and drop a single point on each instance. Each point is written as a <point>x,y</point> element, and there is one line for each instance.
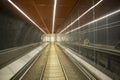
<point>16,32</point>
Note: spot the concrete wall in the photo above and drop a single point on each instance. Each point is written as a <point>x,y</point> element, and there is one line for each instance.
<point>15,31</point>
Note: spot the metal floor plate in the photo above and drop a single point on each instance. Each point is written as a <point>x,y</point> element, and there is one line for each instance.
<point>53,70</point>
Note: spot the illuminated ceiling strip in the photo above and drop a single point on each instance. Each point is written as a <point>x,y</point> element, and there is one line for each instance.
<point>95,21</point>
<point>54,13</point>
<point>25,15</point>
<point>81,16</point>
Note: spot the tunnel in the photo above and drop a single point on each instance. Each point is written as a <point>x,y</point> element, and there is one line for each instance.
<point>59,39</point>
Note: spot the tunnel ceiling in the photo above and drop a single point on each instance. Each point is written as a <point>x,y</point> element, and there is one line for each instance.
<point>41,11</point>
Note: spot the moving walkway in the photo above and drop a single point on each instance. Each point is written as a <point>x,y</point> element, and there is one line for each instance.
<point>54,64</point>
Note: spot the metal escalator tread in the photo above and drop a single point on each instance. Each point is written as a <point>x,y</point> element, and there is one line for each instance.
<point>53,70</point>
<point>36,70</point>
<point>50,64</point>
<point>72,72</point>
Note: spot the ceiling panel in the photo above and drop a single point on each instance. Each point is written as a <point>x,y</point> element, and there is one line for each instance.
<point>41,11</point>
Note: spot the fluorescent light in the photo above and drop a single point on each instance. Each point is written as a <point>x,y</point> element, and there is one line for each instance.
<point>25,15</point>
<point>54,13</point>
<point>81,16</point>
<point>95,21</point>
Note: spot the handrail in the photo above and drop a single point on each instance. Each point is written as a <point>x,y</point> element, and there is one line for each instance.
<point>80,67</point>
<point>18,47</point>
<point>101,49</point>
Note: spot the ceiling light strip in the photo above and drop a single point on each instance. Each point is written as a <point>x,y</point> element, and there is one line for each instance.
<point>26,15</point>
<point>95,20</point>
<point>81,16</point>
<point>54,13</point>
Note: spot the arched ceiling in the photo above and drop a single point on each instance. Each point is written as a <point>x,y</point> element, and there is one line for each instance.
<point>41,11</point>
